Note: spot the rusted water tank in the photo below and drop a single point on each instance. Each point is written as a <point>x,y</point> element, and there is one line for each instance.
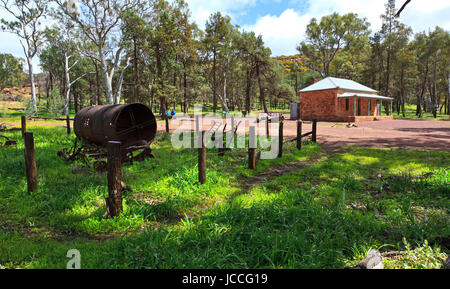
<point>128,123</point>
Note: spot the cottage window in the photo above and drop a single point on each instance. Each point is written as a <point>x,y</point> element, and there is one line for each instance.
<point>347,104</point>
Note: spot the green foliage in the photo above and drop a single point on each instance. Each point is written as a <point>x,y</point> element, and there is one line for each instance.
<point>55,102</point>
<point>11,71</point>
<point>422,257</point>
<point>28,107</point>
<point>330,36</point>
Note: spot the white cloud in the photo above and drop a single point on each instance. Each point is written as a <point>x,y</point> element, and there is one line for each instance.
<point>284,32</point>
<point>425,15</point>
<point>281,33</point>
<point>202,9</point>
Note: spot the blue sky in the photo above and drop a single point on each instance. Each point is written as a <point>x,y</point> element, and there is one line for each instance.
<point>282,23</point>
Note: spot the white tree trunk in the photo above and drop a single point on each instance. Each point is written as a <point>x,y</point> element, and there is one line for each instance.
<point>107,77</point>
<point>68,84</point>
<point>224,100</point>
<point>33,89</point>
<point>120,82</point>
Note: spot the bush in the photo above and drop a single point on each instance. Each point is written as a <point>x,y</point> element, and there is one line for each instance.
<point>28,110</point>
<point>55,103</point>
<point>423,257</point>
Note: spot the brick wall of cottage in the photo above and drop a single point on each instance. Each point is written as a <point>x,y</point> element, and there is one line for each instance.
<point>325,105</point>
<point>319,105</point>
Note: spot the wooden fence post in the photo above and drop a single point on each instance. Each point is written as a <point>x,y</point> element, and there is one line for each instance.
<point>30,162</point>
<point>167,124</point>
<point>232,123</point>
<point>114,200</point>
<point>281,140</point>
<point>252,148</point>
<point>202,158</point>
<point>222,146</point>
<point>197,132</point>
<point>299,135</point>
<point>24,125</point>
<point>197,123</point>
<point>68,124</point>
<point>314,132</point>
<point>233,128</point>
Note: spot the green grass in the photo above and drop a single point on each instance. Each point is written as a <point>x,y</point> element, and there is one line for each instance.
<point>410,112</point>
<point>327,215</point>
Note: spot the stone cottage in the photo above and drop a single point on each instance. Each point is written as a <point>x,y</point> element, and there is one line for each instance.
<point>342,100</point>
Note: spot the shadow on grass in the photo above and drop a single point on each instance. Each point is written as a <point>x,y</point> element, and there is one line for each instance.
<point>312,218</point>
<point>309,226</point>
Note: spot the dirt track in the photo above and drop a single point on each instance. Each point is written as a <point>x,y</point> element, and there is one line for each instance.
<point>408,134</point>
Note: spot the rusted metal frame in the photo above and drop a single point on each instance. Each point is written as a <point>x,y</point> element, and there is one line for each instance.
<point>8,142</point>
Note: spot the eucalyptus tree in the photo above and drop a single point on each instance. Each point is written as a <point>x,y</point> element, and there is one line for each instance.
<point>134,28</point>
<point>245,43</point>
<point>388,32</point>
<point>277,87</point>
<point>11,70</point>
<point>26,24</point>
<point>334,33</point>
<point>189,49</point>
<point>217,42</point>
<point>261,56</point>
<point>100,22</point>
<point>64,38</point>
<point>439,54</point>
<point>257,58</point>
<point>421,54</point>
<point>403,58</point>
<point>163,34</point>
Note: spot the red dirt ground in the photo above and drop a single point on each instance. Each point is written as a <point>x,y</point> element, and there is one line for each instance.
<point>408,134</point>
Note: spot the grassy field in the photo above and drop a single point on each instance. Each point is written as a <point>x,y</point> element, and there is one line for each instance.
<point>327,215</point>
<point>410,111</point>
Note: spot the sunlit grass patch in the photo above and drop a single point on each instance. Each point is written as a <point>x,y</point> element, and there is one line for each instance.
<point>326,214</point>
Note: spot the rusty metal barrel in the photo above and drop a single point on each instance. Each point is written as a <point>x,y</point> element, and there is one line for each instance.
<point>130,124</point>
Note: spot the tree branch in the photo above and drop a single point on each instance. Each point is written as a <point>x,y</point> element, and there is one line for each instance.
<point>401,9</point>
